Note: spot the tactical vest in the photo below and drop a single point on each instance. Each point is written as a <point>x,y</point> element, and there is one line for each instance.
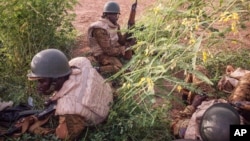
<point>85,93</point>
<point>109,27</point>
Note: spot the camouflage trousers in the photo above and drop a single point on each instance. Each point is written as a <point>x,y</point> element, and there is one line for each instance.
<point>70,127</point>
<point>179,127</point>
<point>108,64</point>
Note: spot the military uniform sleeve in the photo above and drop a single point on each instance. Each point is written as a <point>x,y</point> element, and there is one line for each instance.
<point>180,123</point>
<point>103,40</point>
<point>188,111</point>
<point>122,38</point>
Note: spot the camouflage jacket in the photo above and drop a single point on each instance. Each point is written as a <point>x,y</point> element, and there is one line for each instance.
<point>186,124</point>
<point>103,37</point>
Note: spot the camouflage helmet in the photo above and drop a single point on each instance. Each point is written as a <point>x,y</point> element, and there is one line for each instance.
<point>216,121</point>
<point>111,7</point>
<point>49,63</point>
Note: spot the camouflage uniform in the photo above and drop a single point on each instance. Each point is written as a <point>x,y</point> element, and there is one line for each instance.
<point>241,97</point>
<point>70,126</point>
<point>106,45</point>
<point>198,84</point>
<point>236,83</point>
<point>230,80</point>
<point>84,100</point>
<point>186,124</point>
<point>180,124</point>
<point>82,96</point>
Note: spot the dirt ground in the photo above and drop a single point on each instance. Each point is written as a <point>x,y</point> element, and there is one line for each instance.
<point>89,11</point>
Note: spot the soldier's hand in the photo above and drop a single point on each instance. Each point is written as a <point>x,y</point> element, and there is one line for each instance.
<point>198,100</point>
<point>119,27</point>
<point>237,104</point>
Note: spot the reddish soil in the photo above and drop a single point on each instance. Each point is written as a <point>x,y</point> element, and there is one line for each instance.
<point>89,11</point>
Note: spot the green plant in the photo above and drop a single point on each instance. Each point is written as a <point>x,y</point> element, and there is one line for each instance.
<point>27,27</point>
<point>127,121</point>
<point>179,36</point>
<point>176,36</point>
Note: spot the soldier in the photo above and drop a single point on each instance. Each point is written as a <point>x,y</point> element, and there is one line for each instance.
<point>186,125</point>
<point>106,41</point>
<point>240,97</point>
<point>209,122</point>
<point>216,121</point>
<point>81,95</point>
<point>231,78</point>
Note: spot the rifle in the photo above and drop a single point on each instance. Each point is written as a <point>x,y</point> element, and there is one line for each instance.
<point>15,113</point>
<point>28,120</point>
<point>131,20</point>
<point>128,35</point>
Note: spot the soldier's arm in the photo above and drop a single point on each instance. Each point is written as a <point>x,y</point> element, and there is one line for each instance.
<point>103,40</point>
<point>245,105</point>
<point>122,38</point>
<point>190,109</point>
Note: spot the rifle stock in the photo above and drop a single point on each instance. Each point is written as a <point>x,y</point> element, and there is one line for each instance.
<point>131,22</point>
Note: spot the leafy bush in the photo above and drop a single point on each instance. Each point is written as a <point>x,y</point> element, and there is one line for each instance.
<point>179,36</point>
<point>172,36</point>
<point>27,27</point>
<point>127,121</point>
<point>176,36</point>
